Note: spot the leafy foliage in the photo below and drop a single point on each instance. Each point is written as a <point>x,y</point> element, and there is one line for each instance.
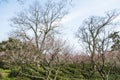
<point>116,41</point>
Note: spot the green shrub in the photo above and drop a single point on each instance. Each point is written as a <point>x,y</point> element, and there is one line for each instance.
<point>3,65</point>
<point>14,73</point>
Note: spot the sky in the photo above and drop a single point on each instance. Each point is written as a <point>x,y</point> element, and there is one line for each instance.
<point>80,10</point>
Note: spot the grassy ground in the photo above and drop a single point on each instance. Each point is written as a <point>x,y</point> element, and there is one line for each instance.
<point>4,74</point>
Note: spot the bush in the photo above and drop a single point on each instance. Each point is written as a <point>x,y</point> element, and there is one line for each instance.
<point>2,64</point>
<point>14,73</point>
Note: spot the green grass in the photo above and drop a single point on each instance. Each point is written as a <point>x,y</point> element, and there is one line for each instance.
<point>4,74</point>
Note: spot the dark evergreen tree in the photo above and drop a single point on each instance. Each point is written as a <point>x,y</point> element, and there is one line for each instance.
<point>115,36</point>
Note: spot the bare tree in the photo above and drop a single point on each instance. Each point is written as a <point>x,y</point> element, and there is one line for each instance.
<point>39,21</point>
<point>54,58</point>
<point>94,33</point>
